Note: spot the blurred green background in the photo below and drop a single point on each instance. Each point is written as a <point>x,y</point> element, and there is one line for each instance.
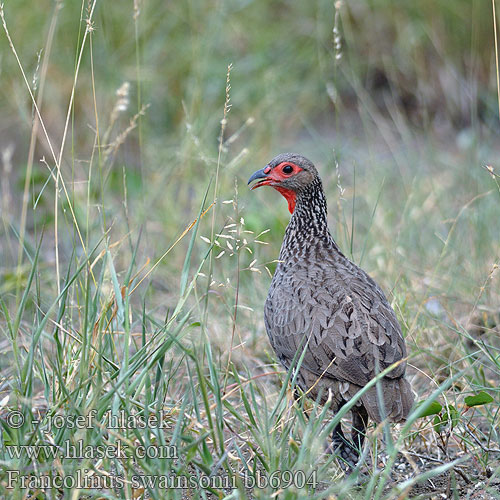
<point>402,95</point>
<point>407,92</point>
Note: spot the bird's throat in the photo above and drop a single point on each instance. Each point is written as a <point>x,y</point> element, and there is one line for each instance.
<point>289,195</point>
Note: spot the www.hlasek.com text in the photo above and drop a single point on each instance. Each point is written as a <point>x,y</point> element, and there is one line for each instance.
<point>78,450</point>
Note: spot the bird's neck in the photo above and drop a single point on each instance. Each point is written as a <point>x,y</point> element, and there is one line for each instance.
<point>307,232</point>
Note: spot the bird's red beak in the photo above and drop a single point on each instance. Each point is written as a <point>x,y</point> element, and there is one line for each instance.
<point>262,178</point>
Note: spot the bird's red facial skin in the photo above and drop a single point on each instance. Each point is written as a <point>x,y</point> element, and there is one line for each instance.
<point>290,196</point>
<point>275,176</point>
<point>278,174</point>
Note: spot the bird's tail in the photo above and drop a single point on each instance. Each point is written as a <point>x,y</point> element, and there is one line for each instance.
<point>397,398</point>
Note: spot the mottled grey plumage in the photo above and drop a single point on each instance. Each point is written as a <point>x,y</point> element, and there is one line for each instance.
<point>319,297</point>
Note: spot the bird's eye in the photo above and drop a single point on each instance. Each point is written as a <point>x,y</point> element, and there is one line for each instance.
<point>287,169</point>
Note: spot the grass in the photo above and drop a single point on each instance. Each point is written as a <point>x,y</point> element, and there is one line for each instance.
<point>135,263</point>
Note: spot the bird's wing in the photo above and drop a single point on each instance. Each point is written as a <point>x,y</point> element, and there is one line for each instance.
<point>350,329</point>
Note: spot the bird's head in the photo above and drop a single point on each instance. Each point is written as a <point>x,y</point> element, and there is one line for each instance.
<point>288,173</point>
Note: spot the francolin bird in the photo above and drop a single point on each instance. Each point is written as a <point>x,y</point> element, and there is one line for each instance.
<point>321,301</point>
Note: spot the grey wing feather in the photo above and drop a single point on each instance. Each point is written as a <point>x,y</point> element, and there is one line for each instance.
<point>347,334</point>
